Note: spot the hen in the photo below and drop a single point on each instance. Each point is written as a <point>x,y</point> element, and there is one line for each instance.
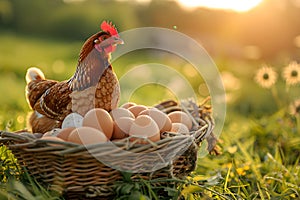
<point>94,84</point>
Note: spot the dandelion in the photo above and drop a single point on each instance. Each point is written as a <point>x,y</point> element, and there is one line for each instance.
<point>240,171</point>
<point>291,74</point>
<point>243,170</point>
<point>295,107</point>
<point>266,77</point>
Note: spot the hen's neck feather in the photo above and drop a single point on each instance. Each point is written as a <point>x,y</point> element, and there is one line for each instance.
<point>90,68</point>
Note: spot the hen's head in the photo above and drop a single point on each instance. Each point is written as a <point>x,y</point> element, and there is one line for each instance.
<point>104,41</point>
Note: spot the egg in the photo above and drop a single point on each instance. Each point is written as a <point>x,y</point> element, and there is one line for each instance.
<point>145,127</point>
<point>128,105</point>
<point>87,135</point>
<point>161,119</point>
<point>179,128</point>
<point>52,133</point>
<point>181,117</point>
<point>72,120</point>
<point>120,112</point>
<point>64,133</point>
<point>121,127</point>
<point>100,119</point>
<point>137,109</point>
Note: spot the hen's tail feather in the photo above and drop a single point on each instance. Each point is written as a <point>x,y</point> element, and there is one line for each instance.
<point>34,73</point>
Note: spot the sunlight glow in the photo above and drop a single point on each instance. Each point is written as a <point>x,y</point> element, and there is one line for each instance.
<point>235,5</point>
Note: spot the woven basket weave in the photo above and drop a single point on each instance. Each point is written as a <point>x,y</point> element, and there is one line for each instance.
<point>82,172</point>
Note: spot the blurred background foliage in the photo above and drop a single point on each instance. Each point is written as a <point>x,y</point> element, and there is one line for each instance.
<point>272,27</point>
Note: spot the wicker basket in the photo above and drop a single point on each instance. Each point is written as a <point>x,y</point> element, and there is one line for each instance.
<point>82,172</point>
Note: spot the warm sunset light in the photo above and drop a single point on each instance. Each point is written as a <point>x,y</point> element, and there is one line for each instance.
<point>236,5</point>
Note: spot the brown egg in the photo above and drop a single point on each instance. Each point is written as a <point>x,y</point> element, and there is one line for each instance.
<point>52,133</point>
<point>145,127</point>
<point>181,117</point>
<point>137,109</point>
<point>87,135</point>
<point>100,119</point>
<point>64,133</point>
<point>162,120</point>
<point>121,127</point>
<point>128,105</point>
<point>120,112</point>
<point>179,128</point>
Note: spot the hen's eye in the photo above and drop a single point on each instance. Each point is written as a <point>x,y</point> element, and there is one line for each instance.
<point>104,37</point>
<point>96,41</point>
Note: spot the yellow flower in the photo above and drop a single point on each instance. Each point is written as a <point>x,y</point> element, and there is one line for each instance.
<point>232,149</point>
<point>266,77</point>
<point>295,107</point>
<point>227,165</point>
<point>240,171</point>
<point>291,73</point>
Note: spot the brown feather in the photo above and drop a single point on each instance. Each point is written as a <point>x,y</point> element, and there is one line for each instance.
<point>40,124</point>
<point>36,88</point>
<point>55,102</point>
<point>89,45</point>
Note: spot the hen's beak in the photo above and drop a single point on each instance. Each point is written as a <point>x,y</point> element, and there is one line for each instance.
<point>116,40</point>
<point>111,41</point>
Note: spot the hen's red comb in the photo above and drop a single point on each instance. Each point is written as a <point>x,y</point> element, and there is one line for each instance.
<point>109,27</point>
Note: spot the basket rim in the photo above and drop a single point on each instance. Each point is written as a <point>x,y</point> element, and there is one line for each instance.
<point>20,141</point>
<point>198,134</point>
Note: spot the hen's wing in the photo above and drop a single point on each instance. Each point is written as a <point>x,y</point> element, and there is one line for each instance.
<point>56,102</point>
<point>36,88</point>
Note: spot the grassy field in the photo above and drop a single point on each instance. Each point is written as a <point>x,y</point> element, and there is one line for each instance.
<point>260,141</point>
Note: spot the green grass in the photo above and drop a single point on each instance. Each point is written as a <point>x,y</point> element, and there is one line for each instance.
<point>260,142</point>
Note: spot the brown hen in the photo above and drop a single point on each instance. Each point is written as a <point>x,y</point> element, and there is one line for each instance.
<point>94,84</point>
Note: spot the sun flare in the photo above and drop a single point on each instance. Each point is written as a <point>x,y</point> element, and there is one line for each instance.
<point>236,5</point>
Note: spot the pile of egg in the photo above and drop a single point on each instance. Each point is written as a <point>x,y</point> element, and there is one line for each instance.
<point>138,121</point>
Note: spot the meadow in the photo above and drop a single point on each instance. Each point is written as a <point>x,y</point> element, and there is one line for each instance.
<point>259,144</point>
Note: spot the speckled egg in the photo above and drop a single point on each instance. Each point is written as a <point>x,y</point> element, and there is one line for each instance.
<point>72,120</point>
